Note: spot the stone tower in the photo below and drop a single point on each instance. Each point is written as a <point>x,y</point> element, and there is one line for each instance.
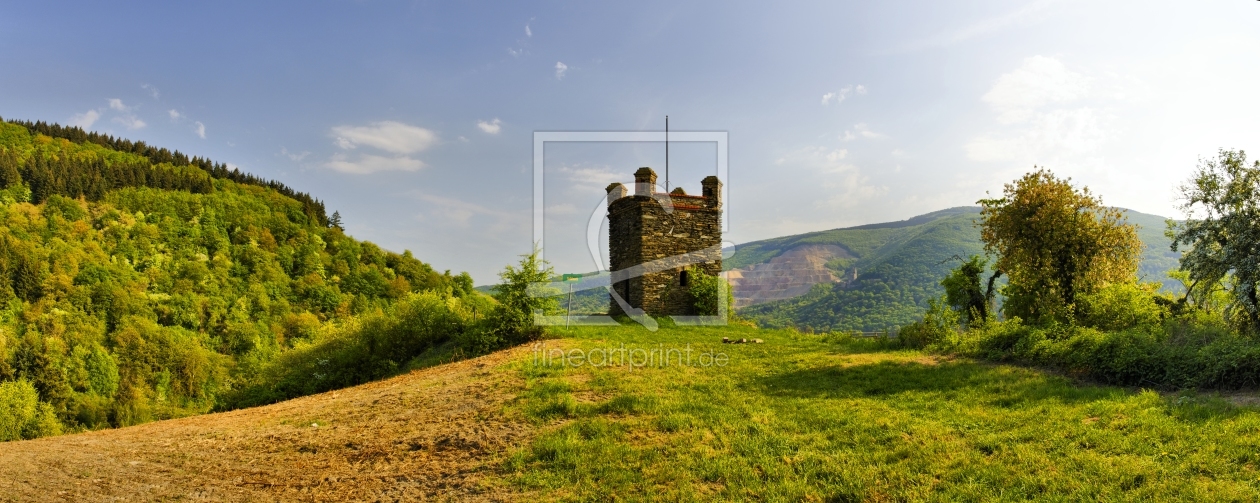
<point>657,238</point>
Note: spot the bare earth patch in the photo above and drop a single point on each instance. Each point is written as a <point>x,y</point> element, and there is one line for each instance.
<point>431,434</point>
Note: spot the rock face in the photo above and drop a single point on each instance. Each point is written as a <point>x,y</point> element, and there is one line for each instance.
<point>654,240</point>
<point>787,275</point>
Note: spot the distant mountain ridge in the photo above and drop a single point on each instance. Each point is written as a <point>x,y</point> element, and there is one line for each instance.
<point>879,276</point>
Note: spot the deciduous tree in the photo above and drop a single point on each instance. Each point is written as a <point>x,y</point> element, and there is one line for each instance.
<point>1055,242</point>
<point>1221,232</point>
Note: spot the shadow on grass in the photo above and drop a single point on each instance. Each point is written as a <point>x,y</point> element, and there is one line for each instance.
<point>1002,386</point>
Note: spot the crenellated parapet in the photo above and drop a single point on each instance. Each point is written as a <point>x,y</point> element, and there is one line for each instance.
<point>651,228</point>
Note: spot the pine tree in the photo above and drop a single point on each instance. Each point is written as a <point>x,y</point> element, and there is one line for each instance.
<point>9,175</point>
<point>335,220</point>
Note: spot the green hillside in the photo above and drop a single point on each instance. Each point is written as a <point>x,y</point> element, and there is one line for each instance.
<point>900,265</point>
<point>139,284</point>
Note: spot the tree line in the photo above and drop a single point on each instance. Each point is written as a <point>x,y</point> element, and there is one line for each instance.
<point>159,156</point>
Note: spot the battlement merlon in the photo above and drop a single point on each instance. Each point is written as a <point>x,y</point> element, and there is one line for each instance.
<point>712,191</point>
<point>645,185</point>
<point>644,182</point>
<point>615,191</point>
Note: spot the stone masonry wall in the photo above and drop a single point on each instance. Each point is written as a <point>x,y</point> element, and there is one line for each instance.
<point>641,231</point>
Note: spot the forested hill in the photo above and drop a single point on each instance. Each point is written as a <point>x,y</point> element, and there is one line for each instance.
<point>899,266</point>
<point>137,283</point>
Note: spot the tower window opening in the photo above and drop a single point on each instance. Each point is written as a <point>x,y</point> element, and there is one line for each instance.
<point>682,278</point>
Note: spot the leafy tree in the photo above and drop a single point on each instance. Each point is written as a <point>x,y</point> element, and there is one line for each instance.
<point>963,291</point>
<point>1221,202</point>
<point>521,294</point>
<point>1055,242</point>
<point>705,291</point>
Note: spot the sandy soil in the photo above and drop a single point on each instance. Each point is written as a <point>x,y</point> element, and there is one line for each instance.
<point>434,434</point>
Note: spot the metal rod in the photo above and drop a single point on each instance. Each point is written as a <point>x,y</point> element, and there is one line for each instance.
<point>666,154</point>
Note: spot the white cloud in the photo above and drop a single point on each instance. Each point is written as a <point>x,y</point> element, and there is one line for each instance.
<point>590,179</point>
<point>365,164</point>
<point>844,183</point>
<point>980,28</point>
<point>390,136</point>
<point>201,129</point>
<point>175,115</point>
<point>293,156</point>
<point>528,32</point>
<point>515,52</point>
<point>842,94</point>
<point>117,104</point>
<point>1034,125</point>
<point>491,127</point>
<point>1048,136</point>
<point>1039,81</point>
<point>153,90</point>
<point>85,119</point>
<point>861,130</point>
<point>560,69</point>
<point>460,213</point>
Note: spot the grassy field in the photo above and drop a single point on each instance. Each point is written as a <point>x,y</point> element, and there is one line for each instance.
<point>814,418</point>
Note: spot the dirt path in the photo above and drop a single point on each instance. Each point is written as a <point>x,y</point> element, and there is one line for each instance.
<point>429,435</point>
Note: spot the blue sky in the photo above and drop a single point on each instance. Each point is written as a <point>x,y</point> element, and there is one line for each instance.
<point>415,119</point>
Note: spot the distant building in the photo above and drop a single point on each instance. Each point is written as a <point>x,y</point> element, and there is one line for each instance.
<point>658,238</point>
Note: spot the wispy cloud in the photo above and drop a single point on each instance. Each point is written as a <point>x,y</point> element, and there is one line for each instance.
<point>117,104</point>
<point>861,130</point>
<point>200,129</point>
<point>491,127</point>
<point>1039,81</point>
<point>296,157</point>
<point>528,32</point>
<point>390,136</point>
<point>979,28</point>
<point>175,115</point>
<point>130,121</point>
<point>85,119</point>
<point>1037,119</point>
<point>153,90</point>
<point>589,179</point>
<point>839,96</point>
<point>366,164</point>
<point>560,69</point>
<point>460,213</point>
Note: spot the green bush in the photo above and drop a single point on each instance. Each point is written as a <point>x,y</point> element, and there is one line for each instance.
<point>1181,354</point>
<point>937,324</point>
<point>705,291</point>
<point>22,415</point>
<point>361,349</point>
<point>1122,306</point>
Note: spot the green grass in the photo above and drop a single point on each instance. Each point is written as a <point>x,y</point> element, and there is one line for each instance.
<point>814,418</point>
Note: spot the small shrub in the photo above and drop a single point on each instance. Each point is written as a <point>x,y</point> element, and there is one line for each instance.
<point>937,324</point>
<point>22,415</point>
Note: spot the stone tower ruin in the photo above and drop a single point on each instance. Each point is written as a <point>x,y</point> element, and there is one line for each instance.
<point>656,239</point>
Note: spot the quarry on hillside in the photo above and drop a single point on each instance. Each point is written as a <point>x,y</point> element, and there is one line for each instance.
<point>787,275</point>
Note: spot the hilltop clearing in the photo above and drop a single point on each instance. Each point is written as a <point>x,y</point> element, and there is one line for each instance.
<point>800,417</point>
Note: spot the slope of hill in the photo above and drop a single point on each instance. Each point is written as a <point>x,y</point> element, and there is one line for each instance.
<point>133,290</point>
<point>878,276</point>
<point>801,418</point>
<point>426,434</point>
